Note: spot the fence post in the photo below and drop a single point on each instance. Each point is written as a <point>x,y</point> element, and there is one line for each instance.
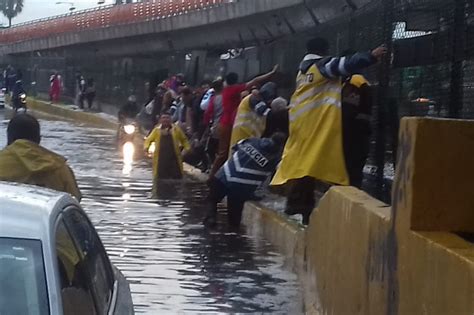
<point>383,96</point>
<point>457,74</point>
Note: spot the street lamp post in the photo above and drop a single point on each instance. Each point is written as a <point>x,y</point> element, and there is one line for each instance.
<point>71,8</point>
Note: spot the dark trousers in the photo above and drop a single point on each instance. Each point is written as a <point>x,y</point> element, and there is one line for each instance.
<point>300,197</point>
<point>90,99</point>
<point>356,145</point>
<point>235,203</point>
<point>225,133</point>
<point>80,100</point>
<point>211,148</point>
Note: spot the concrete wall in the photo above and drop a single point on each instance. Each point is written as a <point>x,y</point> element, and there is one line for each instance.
<point>359,256</point>
<point>366,258</point>
<point>346,247</point>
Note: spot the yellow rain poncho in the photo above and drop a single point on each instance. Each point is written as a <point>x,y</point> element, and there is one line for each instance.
<point>248,124</point>
<point>180,142</point>
<point>314,147</point>
<point>29,163</point>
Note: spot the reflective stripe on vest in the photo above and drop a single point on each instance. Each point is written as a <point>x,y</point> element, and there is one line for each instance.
<point>248,120</point>
<point>314,91</point>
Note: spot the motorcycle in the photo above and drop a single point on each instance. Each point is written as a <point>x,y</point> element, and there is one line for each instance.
<point>128,137</point>
<point>3,92</point>
<point>19,103</point>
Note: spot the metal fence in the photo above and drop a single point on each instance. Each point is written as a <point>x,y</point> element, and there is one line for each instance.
<point>429,72</point>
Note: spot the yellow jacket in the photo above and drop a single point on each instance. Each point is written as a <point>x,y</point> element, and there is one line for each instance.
<point>314,147</point>
<point>29,163</point>
<point>248,124</point>
<point>180,142</point>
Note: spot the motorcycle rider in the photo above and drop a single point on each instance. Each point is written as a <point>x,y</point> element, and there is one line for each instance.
<point>129,110</point>
<point>18,90</point>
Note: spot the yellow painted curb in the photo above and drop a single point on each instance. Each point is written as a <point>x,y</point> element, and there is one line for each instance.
<point>286,235</point>
<point>68,113</point>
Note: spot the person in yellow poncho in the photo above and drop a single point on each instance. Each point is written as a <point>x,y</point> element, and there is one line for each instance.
<point>25,161</point>
<point>314,150</point>
<point>356,113</point>
<point>170,143</point>
<point>250,121</point>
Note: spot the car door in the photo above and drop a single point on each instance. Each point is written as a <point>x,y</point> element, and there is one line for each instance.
<point>97,270</point>
<point>76,293</point>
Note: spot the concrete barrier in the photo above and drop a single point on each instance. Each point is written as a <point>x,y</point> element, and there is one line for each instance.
<point>431,270</point>
<point>68,112</point>
<point>360,256</point>
<point>286,235</point>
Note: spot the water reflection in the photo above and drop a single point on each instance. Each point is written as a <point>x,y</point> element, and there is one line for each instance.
<point>128,152</point>
<point>174,265</point>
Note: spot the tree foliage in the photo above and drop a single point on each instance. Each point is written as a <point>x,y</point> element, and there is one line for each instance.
<point>11,8</point>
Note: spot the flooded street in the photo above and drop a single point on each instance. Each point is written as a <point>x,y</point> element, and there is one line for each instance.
<point>173,263</point>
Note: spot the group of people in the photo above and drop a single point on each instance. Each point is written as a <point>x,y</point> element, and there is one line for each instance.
<point>197,126</point>
<point>85,91</point>
<point>251,134</point>
<point>243,133</point>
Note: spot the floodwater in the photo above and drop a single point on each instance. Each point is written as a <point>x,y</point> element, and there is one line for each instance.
<point>174,264</point>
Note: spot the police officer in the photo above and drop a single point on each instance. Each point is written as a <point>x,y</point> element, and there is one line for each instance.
<point>253,161</point>
<point>314,151</point>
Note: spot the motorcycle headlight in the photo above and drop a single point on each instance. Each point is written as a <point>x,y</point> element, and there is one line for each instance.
<point>129,129</point>
<point>23,96</point>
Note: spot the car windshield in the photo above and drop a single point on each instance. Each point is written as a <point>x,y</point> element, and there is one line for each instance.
<point>22,278</point>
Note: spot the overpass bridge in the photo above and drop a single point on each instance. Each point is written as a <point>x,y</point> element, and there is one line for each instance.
<point>161,26</point>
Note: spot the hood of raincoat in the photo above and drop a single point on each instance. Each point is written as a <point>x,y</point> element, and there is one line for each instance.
<point>26,156</point>
<point>268,91</point>
<point>308,61</point>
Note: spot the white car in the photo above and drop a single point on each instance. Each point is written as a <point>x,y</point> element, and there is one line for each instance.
<point>2,98</point>
<point>51,259</point>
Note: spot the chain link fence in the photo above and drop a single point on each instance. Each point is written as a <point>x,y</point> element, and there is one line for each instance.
<point>429,71</point>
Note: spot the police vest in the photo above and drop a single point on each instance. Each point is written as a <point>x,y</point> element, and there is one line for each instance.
<point>252,162</point>
<point>248,123</point>
<point>314,147</point>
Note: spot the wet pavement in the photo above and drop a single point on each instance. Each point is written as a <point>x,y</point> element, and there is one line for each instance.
<point>173,263</point>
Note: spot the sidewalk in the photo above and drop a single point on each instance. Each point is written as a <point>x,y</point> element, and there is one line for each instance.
<point>73,112</point>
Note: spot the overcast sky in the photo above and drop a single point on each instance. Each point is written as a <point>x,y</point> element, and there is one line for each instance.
<point>37,9</point>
